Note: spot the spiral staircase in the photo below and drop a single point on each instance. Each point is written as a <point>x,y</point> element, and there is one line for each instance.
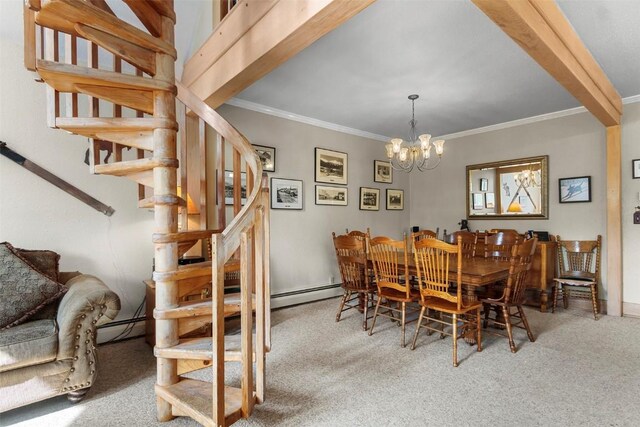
<point>129,102</point>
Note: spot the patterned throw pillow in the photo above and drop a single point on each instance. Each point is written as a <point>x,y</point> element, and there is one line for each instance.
<point>45,261</point>
<point>23,289</point>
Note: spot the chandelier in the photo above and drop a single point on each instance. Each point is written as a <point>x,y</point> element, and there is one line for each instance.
<point>416,152</point>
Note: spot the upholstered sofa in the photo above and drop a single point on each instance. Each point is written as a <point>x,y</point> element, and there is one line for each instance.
<point>53,351</point>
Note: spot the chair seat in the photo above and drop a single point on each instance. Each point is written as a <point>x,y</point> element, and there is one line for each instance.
<point>368,289</point>
<point>572,281</point>
<point>448,306</point>
<point>30,343</point>
<point>395,295</point>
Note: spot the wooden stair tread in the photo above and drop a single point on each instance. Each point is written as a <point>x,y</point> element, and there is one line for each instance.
<point>203,307</point>
<point>184,236</point>
<point>63,15</point>
<point>188,271</point>
<point>202,349</point>
<point>133,166</point>
<point>67,77</point>
<point>92,125</point>
<point>195,399</point>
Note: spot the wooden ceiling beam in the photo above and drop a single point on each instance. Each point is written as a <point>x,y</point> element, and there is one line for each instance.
<point>247,46</point>
<point>542,30</point>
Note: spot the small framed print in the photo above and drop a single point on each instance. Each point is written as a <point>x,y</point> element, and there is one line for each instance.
<point>267,157</point>
<point>228,188</point>
<point>286,193</point>
<point>395,200</point>
<point>575,190</point>
<point>636,168</point>
<point>333,196</point>
<point>478,201</point>
<point>331,166</point>
<point>484,184</point>
<point>382,172</point>
<point>369,199</point>
<point>489,200</point>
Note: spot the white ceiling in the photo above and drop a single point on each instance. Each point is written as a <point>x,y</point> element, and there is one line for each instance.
<point>468,73</point>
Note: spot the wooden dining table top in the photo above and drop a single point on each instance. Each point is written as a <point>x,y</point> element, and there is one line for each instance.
<point>476,271</point>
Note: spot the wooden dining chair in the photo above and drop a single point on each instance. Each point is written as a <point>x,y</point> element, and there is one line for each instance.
<point>362,235</point>
<point>433,258</point>
<point>352,262</point>
<point>423,234</point>
<point>513,295</point>
<point>578,269</point>
<point>391,270</point>
<point>499,245</point>
<point>468,241</point>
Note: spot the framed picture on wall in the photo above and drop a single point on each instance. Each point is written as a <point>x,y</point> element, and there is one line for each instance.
<point>330,195</point>
<point>369,199</point>
<point>478,201</point>
<point>636,168</point>
<point>286,193</point>
<point>395,200</point>
<point>484,184</point>
<point>228,188</point>
<point>489,200</point>
<point>267,157</point>
<point>575,190</point>
<point>382,172</point>
<point>331,166</point>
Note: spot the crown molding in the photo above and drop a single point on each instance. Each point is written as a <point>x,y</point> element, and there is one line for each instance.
<point>253,106</point>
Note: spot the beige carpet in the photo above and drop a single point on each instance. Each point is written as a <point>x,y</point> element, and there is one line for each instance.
<point>323,373</point>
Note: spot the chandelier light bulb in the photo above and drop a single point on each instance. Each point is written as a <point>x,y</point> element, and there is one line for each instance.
<point>424,140</point>
<point>396,142</point>
<point>426,152</point>
<point>439,145</point>
<point>389,148</point>
<point>402,156</point>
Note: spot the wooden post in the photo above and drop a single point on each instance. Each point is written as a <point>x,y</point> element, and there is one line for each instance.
<point>614,222</point>
<point>260,304</point>
<point>265,257</point>
<point>50,42</point>
<point>71,57</point>
<point>202,144</point>
<point>220,196</point>
<point>165,217</point>
<point>246,317</point>
<point>217,328</point>
<point>237,182</point>
<point>29,38</point>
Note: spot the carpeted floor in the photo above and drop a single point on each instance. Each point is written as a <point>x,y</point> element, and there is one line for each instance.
<point>323,373</point>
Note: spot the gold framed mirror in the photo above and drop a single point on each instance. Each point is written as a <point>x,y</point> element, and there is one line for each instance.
<point>509,189</point>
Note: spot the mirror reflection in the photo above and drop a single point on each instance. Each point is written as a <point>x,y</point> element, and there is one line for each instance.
<point>508,189</point>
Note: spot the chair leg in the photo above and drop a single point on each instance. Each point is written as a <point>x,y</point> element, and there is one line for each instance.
<point>478,330</point>
<point>487,312</point>
<point>526,324</point>
<point>555,297</point>
<point>455,339</point>
<point>343,301</point>
<point>375,315</point>
<point>404,314</point>
<point>565,297</point>
<point>366,304</point>
<point>415,335</point>
<point>507,322</point>
<point>594,300</point>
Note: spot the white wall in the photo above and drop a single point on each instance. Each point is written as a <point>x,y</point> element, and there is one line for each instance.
<point>301,247</point>
<point>576,147</point>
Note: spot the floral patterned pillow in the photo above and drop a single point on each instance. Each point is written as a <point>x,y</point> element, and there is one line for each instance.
<point>23,289</point>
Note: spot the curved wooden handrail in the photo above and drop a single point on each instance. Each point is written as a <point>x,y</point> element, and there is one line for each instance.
<point>231,234</point>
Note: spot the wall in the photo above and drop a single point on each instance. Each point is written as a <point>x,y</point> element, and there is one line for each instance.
<point>302,254</point>
<point>630,199</point>
<point>576,147</point>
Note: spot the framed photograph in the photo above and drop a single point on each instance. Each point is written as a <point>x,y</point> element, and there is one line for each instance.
<point>636,168</point>
<point>489,200</point>
<point>267,157</point>
<point>331,166</point>
<point>369,199</point>
<point>286,193</point>
<point>382,172</point>
<point>575,190</point>
<point>484,184</point>
<point>395,200</point>
<point>478,201</point>
<point>228,188</point>
<point>329,195</point>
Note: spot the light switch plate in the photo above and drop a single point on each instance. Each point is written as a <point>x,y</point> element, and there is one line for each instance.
<point>636,217</point>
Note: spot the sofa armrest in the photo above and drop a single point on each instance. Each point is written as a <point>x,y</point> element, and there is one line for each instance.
<point>87,304</point>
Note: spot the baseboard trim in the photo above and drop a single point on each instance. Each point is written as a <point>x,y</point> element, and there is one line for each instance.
<point>301,296</point>
<point>630,309</point>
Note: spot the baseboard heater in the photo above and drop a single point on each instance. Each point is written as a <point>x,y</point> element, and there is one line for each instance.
<point>305,295</point>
